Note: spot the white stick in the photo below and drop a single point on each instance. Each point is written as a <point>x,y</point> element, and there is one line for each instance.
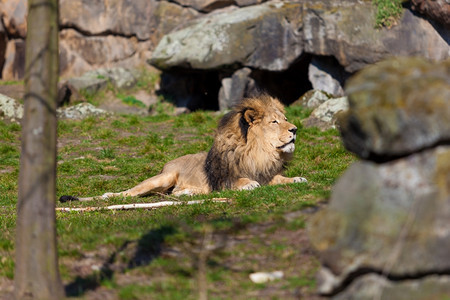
<point>140,205</point>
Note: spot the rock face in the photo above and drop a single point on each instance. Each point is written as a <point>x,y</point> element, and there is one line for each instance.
<point>235,37</point>
<point>386,231</point>
<point>339,31</point>
<point>378,129</point>
<point>283,43</point>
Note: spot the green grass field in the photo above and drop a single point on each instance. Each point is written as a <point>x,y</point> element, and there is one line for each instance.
<point>172,252</point>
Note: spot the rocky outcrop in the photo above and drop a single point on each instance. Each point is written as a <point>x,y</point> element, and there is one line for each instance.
<point>238,36</point>
<point>94,34</point>
<point>377,129</point>
<point>289,46</point>
<point>386,231</point>
<point>326,114</point>
<point>333,38</point>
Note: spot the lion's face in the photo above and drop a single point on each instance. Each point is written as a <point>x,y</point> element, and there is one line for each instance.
<point>274,131</point>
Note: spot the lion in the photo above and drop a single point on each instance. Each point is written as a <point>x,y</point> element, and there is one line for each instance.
<point>253,143</point>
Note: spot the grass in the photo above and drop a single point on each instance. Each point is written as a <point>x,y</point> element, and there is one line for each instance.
<point>144,254</point>
<point>388,12</point>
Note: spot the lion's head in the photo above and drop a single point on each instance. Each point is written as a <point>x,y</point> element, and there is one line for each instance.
<point>254,141</point>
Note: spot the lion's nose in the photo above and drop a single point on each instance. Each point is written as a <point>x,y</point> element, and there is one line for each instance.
<point>293,130</point>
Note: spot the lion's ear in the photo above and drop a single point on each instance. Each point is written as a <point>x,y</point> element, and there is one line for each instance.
<point>250,116</point>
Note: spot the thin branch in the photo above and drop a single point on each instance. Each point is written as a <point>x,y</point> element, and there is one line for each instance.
<point>141,205</point>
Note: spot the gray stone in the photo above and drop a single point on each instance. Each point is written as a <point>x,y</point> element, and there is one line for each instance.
<point>346,30</point>
<point>325,115</point>
<point>375,286</point>
<point>327,75</point>
<point>119,77</point>
<point>391,218</point>
<point>89,84</point>
<point>264,36</point>
<point>14,17</point>
<point>312,99</point>
<point>397,107</point>
<point>10,108</point>
<point>79,111</point>
<point>234,89</point>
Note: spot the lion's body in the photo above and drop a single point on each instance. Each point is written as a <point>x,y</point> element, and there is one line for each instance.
<point>252,145</point>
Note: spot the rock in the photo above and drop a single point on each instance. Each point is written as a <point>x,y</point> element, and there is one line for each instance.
<point>14,67</point>
<point>346,31</point>
<point>205,5</point>
<point>67,94</point>
<point>3,43</point>
<point>312,99</point>
<point>167,16</point>
<point>79,111</point>
<point>374,286</point>
<point>111,17</point>
<point>391,219</point>
<point>234,88</point>
<point>120,77</point>
<point>438,10</point>
<point>397,107</point>
<point>327,75</point>
<point>14,17</point>
<point>94,51</point>
<point>10,108</point>
<point>324,116</point>
<point>89,83</point>
<point>236,37</point>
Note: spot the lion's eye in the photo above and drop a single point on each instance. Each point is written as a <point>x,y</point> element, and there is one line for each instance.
<point>274,122</point>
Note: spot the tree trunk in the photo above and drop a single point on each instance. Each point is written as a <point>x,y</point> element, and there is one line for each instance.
<point>36,270</point>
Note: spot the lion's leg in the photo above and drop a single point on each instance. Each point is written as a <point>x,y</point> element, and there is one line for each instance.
<point>278,179</point>
<point>245,184</point>
<point>158,183</point>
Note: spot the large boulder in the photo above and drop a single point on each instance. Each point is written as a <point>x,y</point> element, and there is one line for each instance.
<point>101,17</point>
<point>391,219</point>
<point>327,28</point>
<point>326,114</point>
<point>346,30</point>
<point>398,107</point>
<point>386,231</point>
<point>265,37</point>
<point>14,16</point>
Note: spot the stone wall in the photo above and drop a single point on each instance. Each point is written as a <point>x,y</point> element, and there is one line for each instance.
<point>288,46</point>
<point>386,231</point>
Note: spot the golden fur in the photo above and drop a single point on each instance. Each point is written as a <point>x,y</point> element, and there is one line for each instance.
<point>252,145</point>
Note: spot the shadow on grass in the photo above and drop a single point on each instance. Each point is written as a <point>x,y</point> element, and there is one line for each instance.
<point>148,248</point>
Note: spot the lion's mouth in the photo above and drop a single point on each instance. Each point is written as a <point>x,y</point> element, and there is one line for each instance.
<point>288,147</point>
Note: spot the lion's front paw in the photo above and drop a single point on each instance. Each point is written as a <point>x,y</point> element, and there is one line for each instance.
<point>250,186</point>
<point>299,179</point>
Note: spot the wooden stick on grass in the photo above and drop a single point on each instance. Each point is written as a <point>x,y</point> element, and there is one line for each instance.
<point>140,205</point>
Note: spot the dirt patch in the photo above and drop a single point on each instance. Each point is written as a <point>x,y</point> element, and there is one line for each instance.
<point>15,91</point>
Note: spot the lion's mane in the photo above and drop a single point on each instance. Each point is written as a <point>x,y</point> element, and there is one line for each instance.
<point>235,155</point>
